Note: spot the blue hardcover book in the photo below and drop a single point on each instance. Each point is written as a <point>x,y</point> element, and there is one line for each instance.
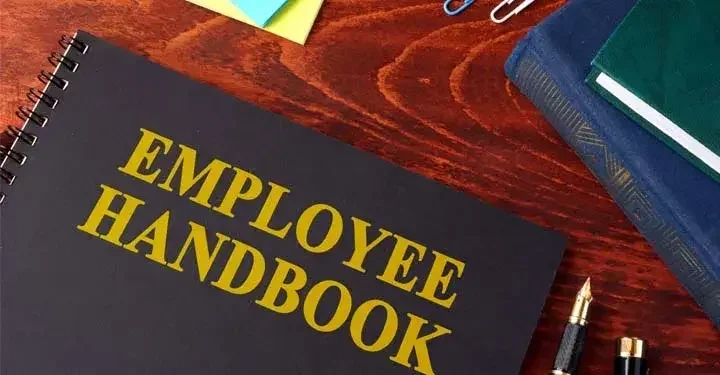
<point>673,204</point>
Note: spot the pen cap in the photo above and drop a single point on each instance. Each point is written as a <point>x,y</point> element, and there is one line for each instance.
<point>631,347</point>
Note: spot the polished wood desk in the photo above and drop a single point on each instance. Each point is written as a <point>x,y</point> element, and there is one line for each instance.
<point>423,90</point>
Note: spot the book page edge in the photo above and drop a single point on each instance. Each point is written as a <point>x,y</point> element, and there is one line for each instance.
<point>659,121</point>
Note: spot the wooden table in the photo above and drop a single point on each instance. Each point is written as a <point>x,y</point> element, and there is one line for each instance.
<point>423,90</point>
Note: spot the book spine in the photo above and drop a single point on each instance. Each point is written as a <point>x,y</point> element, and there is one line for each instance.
<point>640,205</point>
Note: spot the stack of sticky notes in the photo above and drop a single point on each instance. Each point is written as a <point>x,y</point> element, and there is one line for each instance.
<point>290,19</point>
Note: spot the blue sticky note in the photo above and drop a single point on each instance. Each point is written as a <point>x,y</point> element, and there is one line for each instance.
<point>260,11</point>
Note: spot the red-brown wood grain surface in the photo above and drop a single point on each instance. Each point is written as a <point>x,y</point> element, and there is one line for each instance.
<point>426,91</point>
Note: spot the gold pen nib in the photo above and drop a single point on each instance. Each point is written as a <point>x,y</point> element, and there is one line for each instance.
<point>581,308</point>
<point>585,291</point>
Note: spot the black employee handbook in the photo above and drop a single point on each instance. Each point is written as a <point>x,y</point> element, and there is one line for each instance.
<point>159,226</point>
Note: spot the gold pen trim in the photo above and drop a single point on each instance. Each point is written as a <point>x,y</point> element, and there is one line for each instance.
<point>631,347</point>
<point>581,307</point>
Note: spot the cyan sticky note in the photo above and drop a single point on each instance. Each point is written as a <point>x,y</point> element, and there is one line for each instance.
<point>293,22</point>
<point>260,11</point>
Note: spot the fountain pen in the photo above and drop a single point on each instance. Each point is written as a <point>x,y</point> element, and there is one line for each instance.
<point>567,359</point>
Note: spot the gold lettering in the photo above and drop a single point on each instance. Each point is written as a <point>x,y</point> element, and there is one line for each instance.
<point>438,277</point>
<point>154,235</point>
<point>102,210</point>
<point>145,153</point>
<point>413,343</point>
<point>280,282</point>
<point>400,261</point>
<point>252,280</point>
<point>357,324</point>
<point>245,186</point>
<point>305,222</point>
<point>362,247</point>
<point>268,210</point>
<point>197,238</point>
<point>185,163</point>
<point>313,299</point>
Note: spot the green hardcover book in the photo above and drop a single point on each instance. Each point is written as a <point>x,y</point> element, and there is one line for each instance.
<point>662,68</point>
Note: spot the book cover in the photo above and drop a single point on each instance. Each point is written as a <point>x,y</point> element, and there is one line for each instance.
<point>667,199</point>
<point>159,226</point>
<point>660,68</point>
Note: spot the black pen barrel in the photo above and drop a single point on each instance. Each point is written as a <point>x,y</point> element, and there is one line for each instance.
<point>630,366</point>
<point>567,360</point>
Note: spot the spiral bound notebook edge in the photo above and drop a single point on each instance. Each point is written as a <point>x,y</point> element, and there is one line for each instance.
<point>8,152</point>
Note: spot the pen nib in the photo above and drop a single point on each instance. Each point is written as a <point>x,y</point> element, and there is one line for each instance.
<point>581,307</point>
<point>585,292</point>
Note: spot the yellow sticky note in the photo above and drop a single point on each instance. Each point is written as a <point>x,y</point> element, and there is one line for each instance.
<point>293,22</point>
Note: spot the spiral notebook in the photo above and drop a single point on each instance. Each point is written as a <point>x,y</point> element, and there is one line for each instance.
<point>154,225</point>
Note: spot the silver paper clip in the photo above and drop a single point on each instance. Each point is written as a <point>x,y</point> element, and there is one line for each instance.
<point>513,12</point>
<point>458,10</point>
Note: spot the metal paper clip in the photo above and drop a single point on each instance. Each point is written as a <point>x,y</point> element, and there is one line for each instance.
<point>513,12</point>
<point>458,10</point>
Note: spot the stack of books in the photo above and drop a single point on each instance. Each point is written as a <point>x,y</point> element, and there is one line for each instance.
<point>634,87</point>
